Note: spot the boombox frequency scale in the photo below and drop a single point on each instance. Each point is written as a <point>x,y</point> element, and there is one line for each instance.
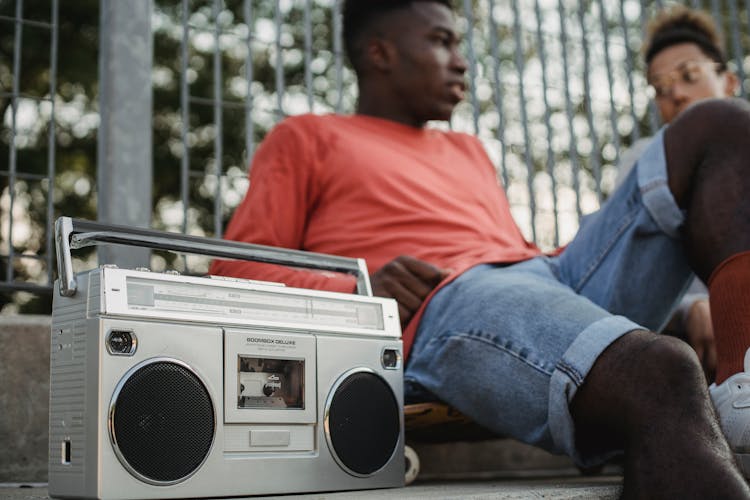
<point>170,386</point>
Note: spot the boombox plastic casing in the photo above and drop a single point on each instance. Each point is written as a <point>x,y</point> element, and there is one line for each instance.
<point>169,386</point>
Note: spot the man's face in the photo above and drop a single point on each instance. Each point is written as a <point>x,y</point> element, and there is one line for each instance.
<point>682,74</point>
<point>427,71</point>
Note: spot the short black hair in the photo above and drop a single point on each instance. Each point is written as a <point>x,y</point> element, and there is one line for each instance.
<point>360,15</point>
<point>682,24</point>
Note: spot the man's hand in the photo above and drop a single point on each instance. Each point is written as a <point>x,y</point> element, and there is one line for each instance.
<point>699,333</point>
<point>409,281</point>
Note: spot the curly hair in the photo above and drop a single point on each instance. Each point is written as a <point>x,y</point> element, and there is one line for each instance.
<point>681,24</point>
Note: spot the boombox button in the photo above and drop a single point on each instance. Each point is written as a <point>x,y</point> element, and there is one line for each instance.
<point>269,438</point>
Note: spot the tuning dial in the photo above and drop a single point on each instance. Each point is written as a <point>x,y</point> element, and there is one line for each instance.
<point>121,342</point>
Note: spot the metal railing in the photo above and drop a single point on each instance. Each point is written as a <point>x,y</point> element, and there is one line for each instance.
<point>557,92</point>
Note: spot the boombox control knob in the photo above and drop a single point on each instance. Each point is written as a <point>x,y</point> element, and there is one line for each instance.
<point>121,342</point>
<point>268,390</point>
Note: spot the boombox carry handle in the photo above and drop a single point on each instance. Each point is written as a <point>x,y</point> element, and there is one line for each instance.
<point>78,233</point>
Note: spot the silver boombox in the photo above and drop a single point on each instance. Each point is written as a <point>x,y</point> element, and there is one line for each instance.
<point>169,386</point>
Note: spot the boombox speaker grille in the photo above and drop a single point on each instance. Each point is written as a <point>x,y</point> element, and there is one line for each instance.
<point>162,422</point>
<point>363,423</point>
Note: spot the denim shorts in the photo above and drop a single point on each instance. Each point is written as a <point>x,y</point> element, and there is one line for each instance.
<point>509,345</point>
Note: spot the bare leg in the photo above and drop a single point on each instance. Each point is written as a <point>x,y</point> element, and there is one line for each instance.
<point>708,163</point>
<point>708,158</point>
<point>647,395</point>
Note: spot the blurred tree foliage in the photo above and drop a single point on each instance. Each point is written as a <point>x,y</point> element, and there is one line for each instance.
<point>75,131</point>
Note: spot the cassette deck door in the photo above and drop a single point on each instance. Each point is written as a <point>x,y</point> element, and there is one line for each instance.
<point>269,377</point>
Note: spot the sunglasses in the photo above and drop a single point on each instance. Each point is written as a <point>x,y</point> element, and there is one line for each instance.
<point>689,73</point>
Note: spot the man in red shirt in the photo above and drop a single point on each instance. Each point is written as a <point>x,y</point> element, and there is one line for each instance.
<point>555,351</point>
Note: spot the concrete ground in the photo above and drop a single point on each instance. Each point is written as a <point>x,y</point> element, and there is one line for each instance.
<point>601,487</point>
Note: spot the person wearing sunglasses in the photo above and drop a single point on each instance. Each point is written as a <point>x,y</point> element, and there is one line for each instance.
<point>685,63</point>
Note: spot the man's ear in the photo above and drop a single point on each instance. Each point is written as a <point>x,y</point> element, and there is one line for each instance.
<point>380,54</point>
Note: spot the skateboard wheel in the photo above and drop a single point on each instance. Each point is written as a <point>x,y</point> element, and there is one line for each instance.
<point>412,465</point>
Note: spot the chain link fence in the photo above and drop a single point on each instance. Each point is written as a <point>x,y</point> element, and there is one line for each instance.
<point>557,92</point>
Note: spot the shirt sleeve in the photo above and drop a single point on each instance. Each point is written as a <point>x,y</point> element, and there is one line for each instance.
<point>284,186</point>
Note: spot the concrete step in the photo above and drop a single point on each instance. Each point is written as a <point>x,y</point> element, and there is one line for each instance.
<point>24,397</point>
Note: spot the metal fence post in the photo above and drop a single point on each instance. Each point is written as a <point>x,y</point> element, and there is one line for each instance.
<point>124,159</point>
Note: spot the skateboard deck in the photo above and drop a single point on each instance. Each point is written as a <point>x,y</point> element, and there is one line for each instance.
<point>438,422</point>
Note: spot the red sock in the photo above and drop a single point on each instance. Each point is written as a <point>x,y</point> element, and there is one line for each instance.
<point>729,296</point>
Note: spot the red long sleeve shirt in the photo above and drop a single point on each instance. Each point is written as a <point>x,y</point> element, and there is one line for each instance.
<point>364,187</point>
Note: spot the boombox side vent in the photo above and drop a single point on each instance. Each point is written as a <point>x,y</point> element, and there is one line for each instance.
<point>162,421</point>
<point>362,422</point>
